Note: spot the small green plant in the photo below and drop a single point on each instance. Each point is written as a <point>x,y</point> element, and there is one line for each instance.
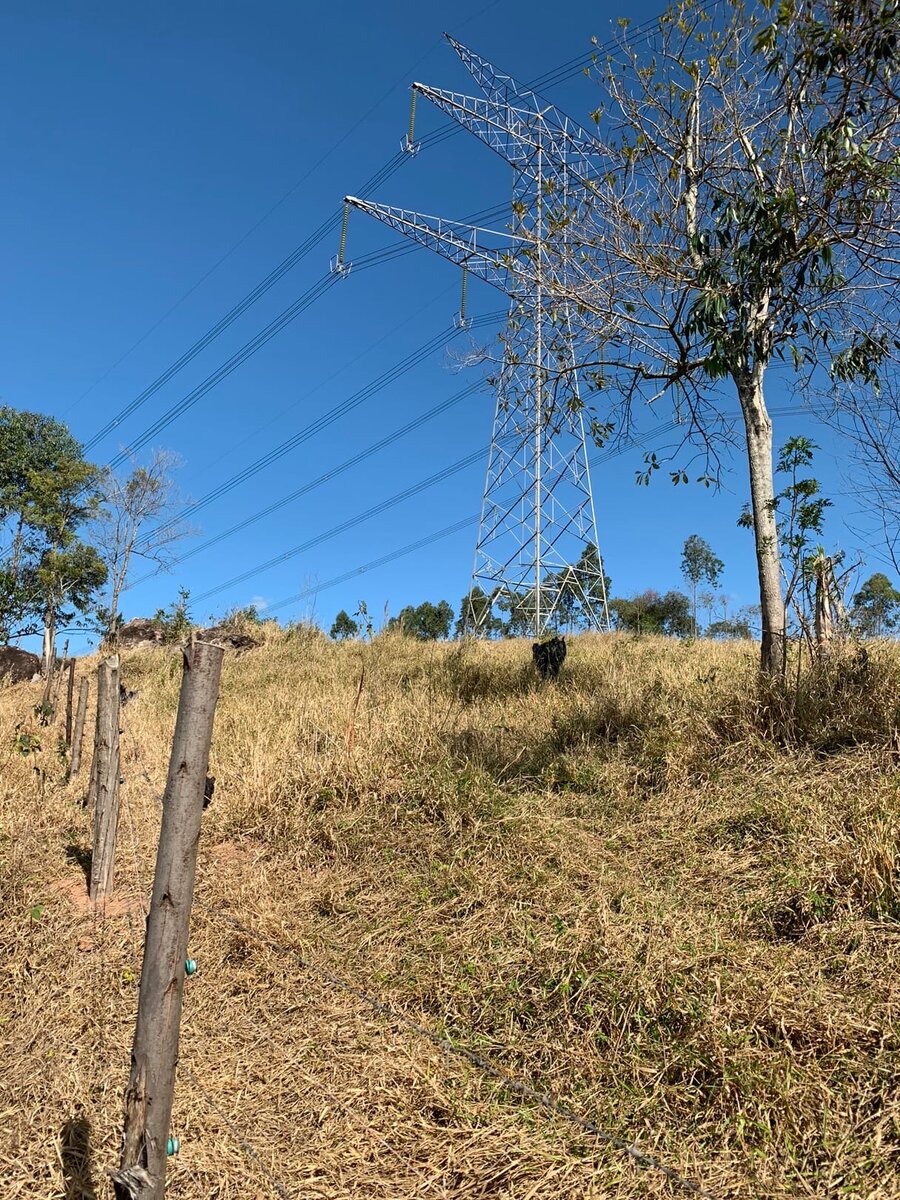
<point>365,620</point>
<point>27,743</point>
<point>175,622</point>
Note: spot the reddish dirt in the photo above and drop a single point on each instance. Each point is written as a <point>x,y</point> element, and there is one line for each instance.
<point>74,890</point>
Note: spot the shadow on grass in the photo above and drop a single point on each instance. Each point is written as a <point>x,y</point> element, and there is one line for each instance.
<point>81,856</point>
<point>78,1171</point>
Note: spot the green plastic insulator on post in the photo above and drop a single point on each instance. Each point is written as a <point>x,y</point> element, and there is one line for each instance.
<point>190,966</point>
<point>173,1145</point>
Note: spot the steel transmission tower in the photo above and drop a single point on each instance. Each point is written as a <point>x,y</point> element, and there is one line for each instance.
<point>537,553</point>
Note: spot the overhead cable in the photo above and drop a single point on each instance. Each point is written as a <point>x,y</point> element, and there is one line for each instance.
<point>329,226</point>
<point>326,477</point>
<point>284,318</point>
<point>437,342</point>
<point>467,522</point>
<point>351,523</point>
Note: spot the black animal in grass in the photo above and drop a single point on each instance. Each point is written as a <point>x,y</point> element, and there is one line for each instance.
<point>549,657</point>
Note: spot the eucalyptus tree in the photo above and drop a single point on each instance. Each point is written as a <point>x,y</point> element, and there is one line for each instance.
<point>745,215</point>
<point>344,627</point>
<point>699,564</point>
<point>135,521</point>
<point>876,606</point>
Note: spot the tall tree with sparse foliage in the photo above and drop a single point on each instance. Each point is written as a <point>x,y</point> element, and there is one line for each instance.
<point>744,214</point>
<point>135,521</point>
<point>699,565</point>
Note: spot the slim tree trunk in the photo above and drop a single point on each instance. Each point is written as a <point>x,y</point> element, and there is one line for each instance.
<point>70,690</point>
<point>824,609</point>
<point>758,427</point>
<point>112,629</point>
<point>49,647</point>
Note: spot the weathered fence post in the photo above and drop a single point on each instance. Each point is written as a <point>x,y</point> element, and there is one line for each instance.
<point>78,735</point>
<point>105,778</point>
<point>70,689</point>
<point>57,691</point>
<point>47,706</point>
<point>151,1085</point>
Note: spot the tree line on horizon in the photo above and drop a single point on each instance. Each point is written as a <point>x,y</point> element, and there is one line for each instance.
<point>875,609</point>
<point>72,532</point>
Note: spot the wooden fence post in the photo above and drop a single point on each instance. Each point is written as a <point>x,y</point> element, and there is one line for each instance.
<point>105,779</point>
<point>70,689</point>
<point>151,1084</point>
<point>47,698</point>
<point>57,691</point>
<point>78,735</point>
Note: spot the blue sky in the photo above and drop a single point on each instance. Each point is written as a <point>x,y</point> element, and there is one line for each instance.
<point>160,160</point>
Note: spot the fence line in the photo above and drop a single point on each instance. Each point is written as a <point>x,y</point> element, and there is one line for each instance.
<point>545,1100</point>
<point>249,1150</point>
<point>639,1157</point>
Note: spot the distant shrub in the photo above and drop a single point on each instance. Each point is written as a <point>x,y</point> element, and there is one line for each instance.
<point>175,622</point>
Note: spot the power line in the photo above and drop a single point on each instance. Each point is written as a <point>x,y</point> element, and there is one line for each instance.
<point>467,522</point>
<point>374,511</point>
<point>326,477</point>
<point>410,548</point>
<point>284,318</point>
<point>261,288</point>
<point>437,342</point>
<point>264,336</point>
<point>383,506</point>
<point>274,208</point>
<point>328,226</point>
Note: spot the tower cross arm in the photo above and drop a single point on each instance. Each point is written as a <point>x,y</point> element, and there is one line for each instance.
<point>460,243</point>
<point>516,133</point>
<point>504,89</point>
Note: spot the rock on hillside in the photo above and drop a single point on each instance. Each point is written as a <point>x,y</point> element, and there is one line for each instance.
<point>18,666</point>
<point>227,638</point>
<point>140,632</point>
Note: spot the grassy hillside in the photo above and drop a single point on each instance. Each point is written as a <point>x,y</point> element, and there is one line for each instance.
<point>617,888</point>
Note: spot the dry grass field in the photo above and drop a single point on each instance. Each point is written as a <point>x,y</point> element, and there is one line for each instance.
<point>617,888</point>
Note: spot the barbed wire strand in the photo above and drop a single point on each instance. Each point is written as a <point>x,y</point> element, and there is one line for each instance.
<point>239,1138</point>
<point>639,1157</point>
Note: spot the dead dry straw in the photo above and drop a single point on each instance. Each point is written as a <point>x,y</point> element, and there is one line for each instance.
<point>620,889</point>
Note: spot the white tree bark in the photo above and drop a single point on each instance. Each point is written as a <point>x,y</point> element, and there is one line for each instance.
<point>758,428</point>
